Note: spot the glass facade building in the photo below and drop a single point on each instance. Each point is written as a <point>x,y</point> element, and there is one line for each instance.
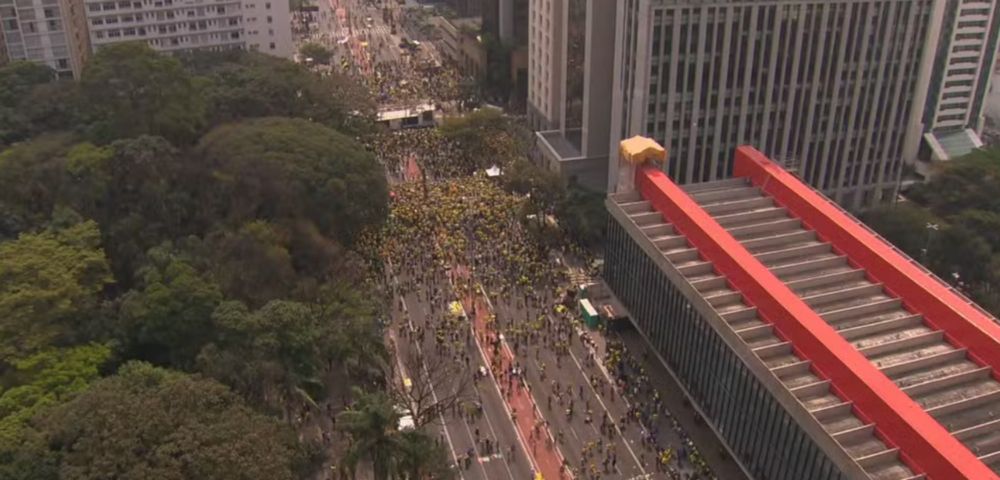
<point>769,443</point>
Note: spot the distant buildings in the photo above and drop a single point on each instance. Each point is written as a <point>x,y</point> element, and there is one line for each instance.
<point>505,34</point>
<point>842,93</point>
<point>571,61</point>
<point>184,25</point>
<point>461,42</point>
<point>62,33</point>
<point>956,103</point>
<point>49,32</point>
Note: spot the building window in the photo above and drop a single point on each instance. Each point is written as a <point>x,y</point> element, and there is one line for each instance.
<point>272,45</point>
<point>267,5</point>
<point>269,19</point>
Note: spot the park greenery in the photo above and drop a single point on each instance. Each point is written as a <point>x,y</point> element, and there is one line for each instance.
<point>952,225</point>
<point>178,276</point>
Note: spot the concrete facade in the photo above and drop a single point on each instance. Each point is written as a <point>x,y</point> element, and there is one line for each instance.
<point>805,81</point>
<point>186,25</point>
<point>50,32</point>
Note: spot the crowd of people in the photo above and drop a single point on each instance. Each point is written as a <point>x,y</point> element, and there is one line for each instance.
<point>436,156</point>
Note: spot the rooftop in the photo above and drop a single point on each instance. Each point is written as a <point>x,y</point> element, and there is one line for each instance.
<point>885,334</point>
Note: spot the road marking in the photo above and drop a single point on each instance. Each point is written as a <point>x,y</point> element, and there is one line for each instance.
<point>606,411</point>
<point>444,425</point>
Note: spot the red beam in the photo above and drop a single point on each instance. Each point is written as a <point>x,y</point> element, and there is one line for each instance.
<point>963,324</point>
<point>926,445</point>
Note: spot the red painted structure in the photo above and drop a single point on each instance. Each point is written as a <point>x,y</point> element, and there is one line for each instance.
<point>899,421</point>
<point>964,324</point>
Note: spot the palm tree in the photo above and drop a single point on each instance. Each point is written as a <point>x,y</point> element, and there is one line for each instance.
<point>421,458</point>
<point>373,424</point>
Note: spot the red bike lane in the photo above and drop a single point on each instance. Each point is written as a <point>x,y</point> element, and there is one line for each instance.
<point>527,417</point>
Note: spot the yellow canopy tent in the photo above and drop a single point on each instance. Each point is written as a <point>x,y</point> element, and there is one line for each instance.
<point>638,150</point>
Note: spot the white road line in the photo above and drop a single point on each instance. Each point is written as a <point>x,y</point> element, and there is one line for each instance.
<point>444,425</point>
<point>489,424</point>
<point>606,411</point>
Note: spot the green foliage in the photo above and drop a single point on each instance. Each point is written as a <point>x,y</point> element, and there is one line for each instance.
<point>41,380</point>
<point>316,52</point>
<point>583,216</point>
<point>241,85</point>
<point>168,318</point>
<point>17,82</point>
<point>487,137</point>
<point>32,181</point>
<point>146,422</point>
<point>278,352</point>
<point>372,422</point>
<point>132,90</point>
<point>279,168</point>
<point>964,248</point>
<point>49,283</point>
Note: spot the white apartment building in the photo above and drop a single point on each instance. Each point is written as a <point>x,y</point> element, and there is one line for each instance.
<point>546,65</point>
<point>185,25</point>
<point>954,114</point>
<point>50,32</point>
<point>268,27</point>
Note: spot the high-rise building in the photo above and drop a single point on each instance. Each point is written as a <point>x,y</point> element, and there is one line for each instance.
<point>811,347</point>
<point>832,90</point>
<point>505,29</point>
<point>954,115</point>
<point>184,25</point>
<point>570,52</point>
<point>50,32</point>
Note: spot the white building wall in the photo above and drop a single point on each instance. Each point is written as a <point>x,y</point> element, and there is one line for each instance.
<point>38,31</point>
<point>268,27</point>
<point>546,64</point>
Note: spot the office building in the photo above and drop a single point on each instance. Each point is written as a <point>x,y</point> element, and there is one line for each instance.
<point>505,22</point>
<point>812,347</point>
<point>186,25</point>
<point>954,115</point>
<point>831,90</point>
<point>570,53</point>
<point>49,32</point>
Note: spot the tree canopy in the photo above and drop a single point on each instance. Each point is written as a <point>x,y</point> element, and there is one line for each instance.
<point>146,422</point>
<point>952,225</point>
<point>280,168</point>
<point>180,220</point>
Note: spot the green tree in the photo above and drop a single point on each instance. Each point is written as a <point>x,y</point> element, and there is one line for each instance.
<point>242,85</point>
<point>32,181</point>
<point>253,264</point>
<point>167,319</point>
<point>41,380</point>
<point>486,137</point>
<point>372,423</point>
<point>49,284</point>
<point>316,52</point>
<point>146,422</point>
<point>132,90</point>
<point>273,355</point>
<point>904,225</point>
<point>583,216</point>
<point>421,458</point>
<point>967,183</point>
<point>17,82</point>
<point>280,168</point>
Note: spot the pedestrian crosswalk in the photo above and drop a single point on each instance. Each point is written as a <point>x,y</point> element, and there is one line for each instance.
<point>377,31</point>
<point>577,276</point>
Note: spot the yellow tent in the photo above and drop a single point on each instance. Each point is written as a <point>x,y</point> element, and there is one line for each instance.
<point>455,308</point>
<point>638,150</point>
<point>538,476</point>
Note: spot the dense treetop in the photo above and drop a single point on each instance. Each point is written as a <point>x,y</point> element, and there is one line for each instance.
<point>177,268</point>
<point>952,225</point>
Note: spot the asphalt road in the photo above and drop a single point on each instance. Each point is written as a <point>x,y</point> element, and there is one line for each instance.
<point>458,429</point>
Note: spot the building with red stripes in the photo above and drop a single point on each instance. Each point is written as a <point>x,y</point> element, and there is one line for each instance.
<point>813,347</point>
